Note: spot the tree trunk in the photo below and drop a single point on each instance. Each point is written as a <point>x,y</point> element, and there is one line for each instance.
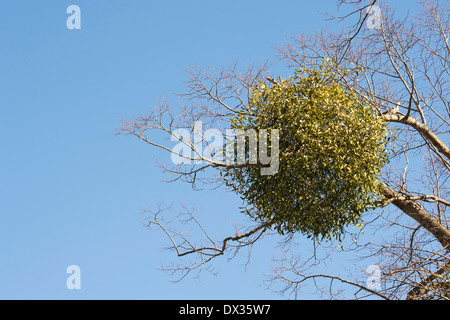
<point>415,211</point>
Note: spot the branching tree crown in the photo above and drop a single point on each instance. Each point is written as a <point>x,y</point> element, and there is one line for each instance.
<point>333,116</point>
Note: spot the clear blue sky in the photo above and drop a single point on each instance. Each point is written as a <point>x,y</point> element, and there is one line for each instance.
<point>70,191</point>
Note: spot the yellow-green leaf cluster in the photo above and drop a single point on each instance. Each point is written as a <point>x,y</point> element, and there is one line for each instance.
<point>332,148</point>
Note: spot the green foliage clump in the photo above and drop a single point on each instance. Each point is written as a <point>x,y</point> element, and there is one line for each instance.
<point>332,148</point>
